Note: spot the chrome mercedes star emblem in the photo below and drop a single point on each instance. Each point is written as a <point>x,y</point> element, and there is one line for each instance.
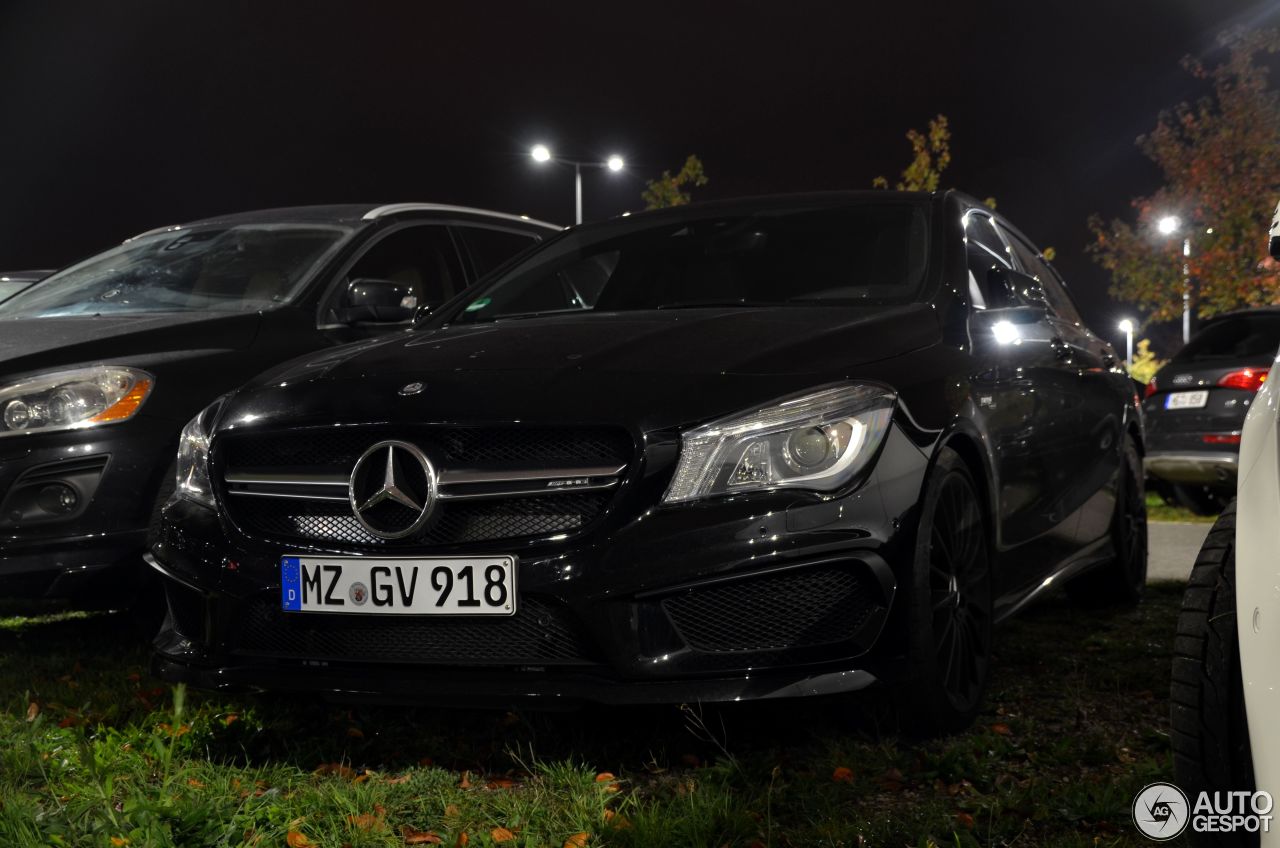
<point>392,489</point>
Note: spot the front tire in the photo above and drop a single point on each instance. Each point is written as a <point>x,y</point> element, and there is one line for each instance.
<point>1209,731</point>
<point>948,615</point>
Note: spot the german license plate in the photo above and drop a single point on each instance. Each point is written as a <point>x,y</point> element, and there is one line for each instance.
<point>1186,400</point>
<point>417,586</point>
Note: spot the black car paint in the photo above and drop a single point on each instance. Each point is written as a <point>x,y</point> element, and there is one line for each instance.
<point>93,555</point>
<point>1041,423</point>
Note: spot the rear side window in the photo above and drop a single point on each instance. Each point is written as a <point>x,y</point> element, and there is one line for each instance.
<point>1250,337</point>
<point>489,248</point>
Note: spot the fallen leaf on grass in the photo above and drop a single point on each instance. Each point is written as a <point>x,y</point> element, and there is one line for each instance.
<point>295,839</point>
<point>605,777</point>
<point>195,784</point>
<point>365,821</point>
<point>33,710</point>
<point>691,760</point>
<point>118,841</point>
<point>1002,729</point>
<point>892,780</point>
<point>395,781</point>
<point>965,820</point>
<point>335,768</point>
<point>842,774</point>
<point>501,834</point>
<point>355,733</point>
<point>451,811</point>
<point>500,783</point>
<point>463,839</point>
<point>465,783</point>
<point>419,837</point>
<point>230,719</point>
<point>578,840</point>
<point>616,820</point>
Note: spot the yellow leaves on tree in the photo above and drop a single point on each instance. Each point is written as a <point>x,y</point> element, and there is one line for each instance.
<point>930,156</point>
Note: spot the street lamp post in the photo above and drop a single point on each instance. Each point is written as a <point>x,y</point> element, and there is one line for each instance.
<point>1126,326</point>
<point>1168,225</point>
<point>542,153</point>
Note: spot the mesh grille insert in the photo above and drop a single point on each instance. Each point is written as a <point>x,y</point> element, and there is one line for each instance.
<point>799,608</point>
<point>540,633</point>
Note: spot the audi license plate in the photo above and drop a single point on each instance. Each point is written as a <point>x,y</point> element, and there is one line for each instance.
<point>418,586</point>
<point>1186,400</point>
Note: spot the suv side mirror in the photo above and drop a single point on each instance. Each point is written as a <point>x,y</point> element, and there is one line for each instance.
<point>1017,287</point>
<point>370,301</point>
<point>1275,235</point>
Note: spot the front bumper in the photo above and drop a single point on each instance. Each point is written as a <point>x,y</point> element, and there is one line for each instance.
<point>1213,468</point>
<point>93,550</point>
<point>765,597</point>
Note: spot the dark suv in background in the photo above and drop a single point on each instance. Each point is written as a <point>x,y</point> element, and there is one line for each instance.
<point>102,363</point>
<point>1195,407</point>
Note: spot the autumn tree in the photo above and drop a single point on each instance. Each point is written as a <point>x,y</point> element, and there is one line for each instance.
<point>1145,362</point>
<point>930,156</point>
<point>1220,159</point>
<point>673,189</point>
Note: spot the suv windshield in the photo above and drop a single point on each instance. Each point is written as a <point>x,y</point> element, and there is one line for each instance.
<point>869,252</point>
<point>1237,337</point>
<point>221,269</point>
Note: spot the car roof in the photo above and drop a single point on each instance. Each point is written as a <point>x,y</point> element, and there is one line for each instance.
<point>803,200</point>
<point>350,213</point>
<point>1234,313</point>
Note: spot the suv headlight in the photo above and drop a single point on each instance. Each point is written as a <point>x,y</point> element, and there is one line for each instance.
<point>817,441</point>
<point>192,465</point>
<point>72,400</point>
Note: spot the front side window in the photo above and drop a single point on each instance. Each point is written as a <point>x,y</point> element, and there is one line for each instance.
<point>215,268</point>
<point>1054,290</point>
<point>863,254</point>
<point>421,257</point>
<point>984,251</point>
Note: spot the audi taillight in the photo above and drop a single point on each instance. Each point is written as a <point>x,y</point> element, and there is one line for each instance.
<point>1151,388</point>
<point>1248,379</point>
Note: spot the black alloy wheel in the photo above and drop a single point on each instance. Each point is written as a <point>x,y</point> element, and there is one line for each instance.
<point>950,615</point>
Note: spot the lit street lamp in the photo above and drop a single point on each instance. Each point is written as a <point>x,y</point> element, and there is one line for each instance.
<point>541,153</point>
<point>1168,225</point>
<point>1126,327</point>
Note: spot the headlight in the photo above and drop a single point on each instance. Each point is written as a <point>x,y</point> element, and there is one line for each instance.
<point>71,400</point>
<point>818,441</point>
<point>192,465</point>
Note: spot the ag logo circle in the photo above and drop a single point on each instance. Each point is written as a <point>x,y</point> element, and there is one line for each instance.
<point>1161,811</point>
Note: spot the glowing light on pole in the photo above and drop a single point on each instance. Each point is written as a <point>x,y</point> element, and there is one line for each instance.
<point>541,153</point>
<point>1126,326</point>
<point>1167,226</point>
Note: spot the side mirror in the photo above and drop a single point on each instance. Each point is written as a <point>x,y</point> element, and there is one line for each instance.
<point>1275,234</point>
<point>1017,287</point>
<point>370,301</point>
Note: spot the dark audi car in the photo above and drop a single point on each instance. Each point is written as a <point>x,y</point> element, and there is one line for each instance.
<point>102,363</point>
<point>758,449</point>
<point>1195,407</point>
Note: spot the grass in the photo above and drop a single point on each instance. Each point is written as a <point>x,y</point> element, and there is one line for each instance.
<point>1158,510</point>
<point>93,752</point>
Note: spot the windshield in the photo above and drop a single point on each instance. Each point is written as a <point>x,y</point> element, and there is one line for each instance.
<point>1254,337</point>
<point>872,252</point>
<point>221,269</point>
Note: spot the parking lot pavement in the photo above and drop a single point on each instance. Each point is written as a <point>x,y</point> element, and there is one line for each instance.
<point>1172,548</point>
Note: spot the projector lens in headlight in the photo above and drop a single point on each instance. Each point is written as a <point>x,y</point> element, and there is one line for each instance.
<point>68,400</point>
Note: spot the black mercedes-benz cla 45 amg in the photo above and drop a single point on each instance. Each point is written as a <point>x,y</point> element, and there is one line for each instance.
<point>759,449</point>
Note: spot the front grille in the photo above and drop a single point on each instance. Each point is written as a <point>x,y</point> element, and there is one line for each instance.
<point>805,607</point>
<point>448,447</point>
<point>332,522</point>
<point>521,510</point>
<point>540,633</point>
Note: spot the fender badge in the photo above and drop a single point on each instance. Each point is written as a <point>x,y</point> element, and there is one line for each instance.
<point>412,389</point>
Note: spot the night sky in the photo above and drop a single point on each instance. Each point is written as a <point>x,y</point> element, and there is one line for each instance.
<point>118,117</point>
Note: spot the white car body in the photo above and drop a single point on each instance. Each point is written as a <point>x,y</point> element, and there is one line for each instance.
<point>1258,581</point>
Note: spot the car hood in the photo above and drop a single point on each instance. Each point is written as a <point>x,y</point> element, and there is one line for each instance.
<point>43,344</point>
<point>645,370</point>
